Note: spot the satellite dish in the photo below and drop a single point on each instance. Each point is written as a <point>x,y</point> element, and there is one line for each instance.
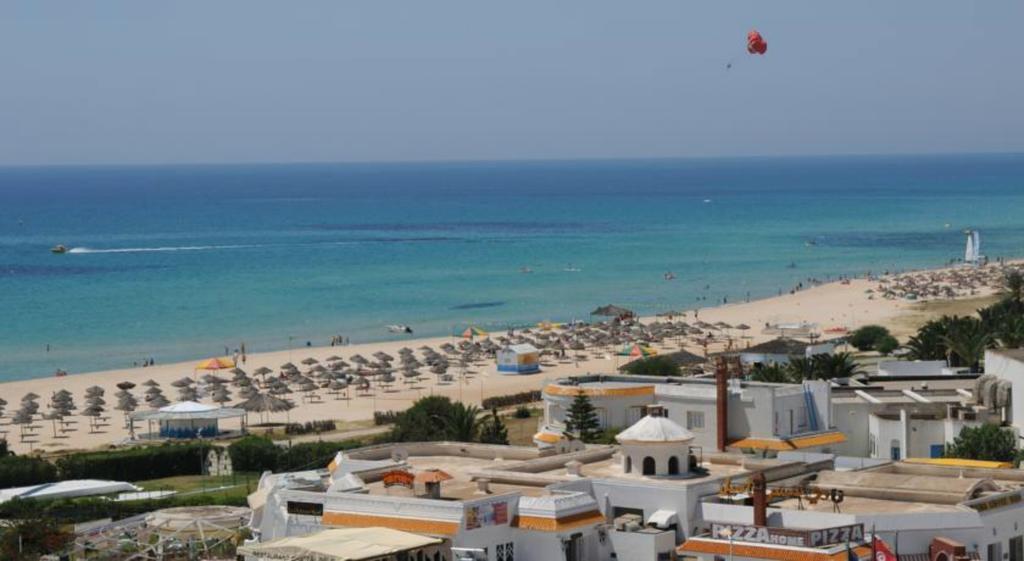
<point>399,455</point>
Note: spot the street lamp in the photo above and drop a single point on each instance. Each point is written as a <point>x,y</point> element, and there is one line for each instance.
<point>728,533</point>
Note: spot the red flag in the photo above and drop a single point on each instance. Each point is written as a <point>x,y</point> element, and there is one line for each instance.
<point>882,551</point>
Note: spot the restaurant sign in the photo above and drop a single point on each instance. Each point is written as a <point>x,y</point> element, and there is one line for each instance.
<point>308,509</point>
<point>787,537</point>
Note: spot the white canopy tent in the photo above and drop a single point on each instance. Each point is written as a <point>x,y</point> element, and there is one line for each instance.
<point>66,489</point>
<point>189,419</point>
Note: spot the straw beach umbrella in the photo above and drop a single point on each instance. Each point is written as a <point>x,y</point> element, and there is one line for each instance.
<point>221,395</point>
<point>188,393</point>
<point>264,403</point>
<point>126,403</point>
<point>336,387</point>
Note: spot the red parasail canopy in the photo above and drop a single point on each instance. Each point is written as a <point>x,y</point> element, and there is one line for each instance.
<point>755,43</point>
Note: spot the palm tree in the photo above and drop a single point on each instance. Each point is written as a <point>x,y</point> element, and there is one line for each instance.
<point>800,369</point>
<point>967,340</point>
<point>1011,333</point>
<point>463,424</point>
<point>773,374</point>
<point>837,365</point>
<point>493,431</point>
<point>929,343</point>
<point>1013,287</point>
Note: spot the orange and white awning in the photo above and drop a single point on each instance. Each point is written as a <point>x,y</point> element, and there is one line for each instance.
<point>793,443</point>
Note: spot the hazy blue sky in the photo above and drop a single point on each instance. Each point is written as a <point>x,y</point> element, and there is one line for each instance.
<point>256,81</point>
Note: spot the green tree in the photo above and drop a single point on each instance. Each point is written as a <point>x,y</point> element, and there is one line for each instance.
<point>867,338</point>
<point>254,453</point>
<point>771,373</point>
<point>986,442</point>
<point>581,419</point>
<point>886,345</point>
<point>425,420</point>
<point>28,539</point>
<point>462,423</point>
<point>493,431</point>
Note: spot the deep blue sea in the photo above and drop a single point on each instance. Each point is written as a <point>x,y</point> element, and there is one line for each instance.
<point>178,262</point>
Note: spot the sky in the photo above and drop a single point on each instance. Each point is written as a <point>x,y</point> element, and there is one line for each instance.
<point>239,81</point>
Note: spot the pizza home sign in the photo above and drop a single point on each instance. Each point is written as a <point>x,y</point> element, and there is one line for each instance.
<point>782,536</point>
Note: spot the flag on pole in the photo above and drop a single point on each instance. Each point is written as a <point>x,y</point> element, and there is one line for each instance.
<point>881,549</point>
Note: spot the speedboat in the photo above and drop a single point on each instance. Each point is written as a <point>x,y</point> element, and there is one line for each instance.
<point>669,276</point>
<point>525,270</point>
<point>59,248</point>
<point>400,328</point>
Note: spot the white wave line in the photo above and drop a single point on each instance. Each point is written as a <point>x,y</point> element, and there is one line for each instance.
<point>149,249</point>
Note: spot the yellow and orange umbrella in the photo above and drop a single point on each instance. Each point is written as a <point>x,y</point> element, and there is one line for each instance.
<point>218,363</point>
<point>473,331</point>
<point>637,350</point>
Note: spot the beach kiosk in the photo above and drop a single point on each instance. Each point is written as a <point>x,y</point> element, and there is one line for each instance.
<point>518,359</point>
<point>189,419</point>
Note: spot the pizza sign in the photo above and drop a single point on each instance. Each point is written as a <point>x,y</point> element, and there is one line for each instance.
<point>786,537</point>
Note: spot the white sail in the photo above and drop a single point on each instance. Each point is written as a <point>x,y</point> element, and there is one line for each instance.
<point>970,255</point>
<point>976,238</point>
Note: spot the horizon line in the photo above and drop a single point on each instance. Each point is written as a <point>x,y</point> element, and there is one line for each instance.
<point>591,159</point>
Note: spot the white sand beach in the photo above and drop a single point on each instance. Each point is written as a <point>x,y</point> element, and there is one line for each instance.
<point>838,304</point>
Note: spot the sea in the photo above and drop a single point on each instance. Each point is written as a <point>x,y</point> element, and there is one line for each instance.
<point>179,262</point>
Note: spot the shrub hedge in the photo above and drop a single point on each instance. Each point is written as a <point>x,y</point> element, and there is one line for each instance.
<point>310,427</point>
<point>257,453</point>
<point>500,401</point>
<point>18,471</point>
<point>134,464</point>
<point>385,417</point>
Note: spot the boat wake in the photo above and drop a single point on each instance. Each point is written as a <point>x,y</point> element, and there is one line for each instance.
<point>150,249</point>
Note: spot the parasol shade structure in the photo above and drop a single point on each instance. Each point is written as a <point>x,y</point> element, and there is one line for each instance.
<point>217,363</point>
<point>473,331</point>
<point>613,311</point>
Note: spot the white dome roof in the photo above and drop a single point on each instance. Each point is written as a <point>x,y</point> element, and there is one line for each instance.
<point>655,429</point>
<point>188,407</point>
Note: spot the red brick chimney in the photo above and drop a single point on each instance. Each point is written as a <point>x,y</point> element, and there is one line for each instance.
<point>760,499</point>
<point>722,401</point>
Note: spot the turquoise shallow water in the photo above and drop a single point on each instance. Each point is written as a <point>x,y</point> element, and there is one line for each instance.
<point>178,262</point>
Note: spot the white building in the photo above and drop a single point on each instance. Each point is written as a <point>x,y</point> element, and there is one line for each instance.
<point>756,415</point>
<point>781,350</point>
<point>1007,365</point>
<point>506,503</point>
<point>899,419</point>
<point>518,359</point>
<point>917,368</point>
<point>655,446</point>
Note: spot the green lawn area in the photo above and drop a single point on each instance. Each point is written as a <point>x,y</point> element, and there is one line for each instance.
<point>521,431</point>
<point>238,484</point>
